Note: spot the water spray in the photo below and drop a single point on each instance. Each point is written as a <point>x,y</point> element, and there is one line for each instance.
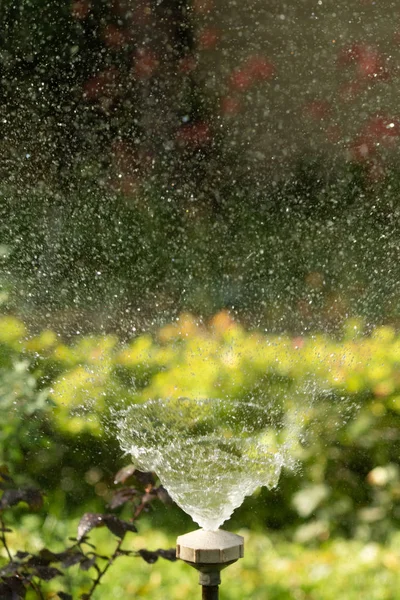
<point>209,552</point>
<point>209,454</point>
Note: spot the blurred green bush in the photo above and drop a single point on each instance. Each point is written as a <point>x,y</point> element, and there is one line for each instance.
<point>271,568</point>
<point>56,398</point>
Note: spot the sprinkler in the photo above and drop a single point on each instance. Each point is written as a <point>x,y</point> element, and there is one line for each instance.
<point>209,552</point>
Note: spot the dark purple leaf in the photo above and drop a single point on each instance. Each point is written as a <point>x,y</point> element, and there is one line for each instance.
<point>151,557</point>
<point>47,573</point>
<point>47,555</point>
<point>91,520</point>
<point>68,559</point>
<point>117,526</point>
<point>122,496</point>
<point>169,554</point>
<point>144,478</point>
<point>87,563</point>
<point>5,529</point>
<point>6,593</point>
<point>12,588</point>
<point>148,497</point>
<point>32,497</point>
<point>88,522</point>
<point>44,558</point>
<point>64,596</point>
<point>124,474</point>
<point>5,474</point>
<point>163,495</point>
<point>10,568</point>
<point>21,554</point>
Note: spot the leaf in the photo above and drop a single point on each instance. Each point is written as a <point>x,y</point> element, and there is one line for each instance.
<point>47,573</point>
<point>10,568</point>
<point>70,558</point>
<point>88,522</point>
<point>169,554</point>
<point>145,478</point>
<point>122,496</point>
<point>148,556</point>
<point>148,497</point>
<point>21,554</point>
<point>117,526</point>
<point>152,556</point>
<point>6,593</point>
<point>91,520</point>
<point>5,474</point>
<point>87,563</point>
<point>64,596</point>
<point>163,495</point>
<point>43,559</point>
<point>32,497</point>
<point>5,529</point>
<point>47,556</point>
<point>124,474</point>
<point>12,588</point>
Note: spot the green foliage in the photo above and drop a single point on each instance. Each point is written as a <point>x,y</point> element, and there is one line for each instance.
<point>55,398</point>
<point>345,391</point>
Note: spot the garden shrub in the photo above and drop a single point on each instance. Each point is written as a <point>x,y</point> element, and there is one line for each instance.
<point>348,478</point>
<point>26,574</point>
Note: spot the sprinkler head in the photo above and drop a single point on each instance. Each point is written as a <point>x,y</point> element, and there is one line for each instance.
<point>209,552</point>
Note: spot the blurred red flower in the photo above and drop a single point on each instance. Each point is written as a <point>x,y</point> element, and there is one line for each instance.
<point>194,135</point>
<point>187,64</point>
<point>113,36</point>
<point>362,148</point>
<point>240,80</point>
<point>367,59</point>
<point>101,84</point>
<point>254,68</point>
<point>146,63</point>
<point>208,38</point>
<point>317,109</point>
<point>259,67</point>
<point>80,9</point>
<point>202,7</point>
<point>377,131</point>
<point>382,129</point>
<point>230,106</point>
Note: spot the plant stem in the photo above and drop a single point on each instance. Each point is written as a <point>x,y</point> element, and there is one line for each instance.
<point>101,573</point>
<point>37,590</point>
<point>3,538</point>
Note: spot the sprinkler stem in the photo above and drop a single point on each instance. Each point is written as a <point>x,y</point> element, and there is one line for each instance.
<point>210,592</point>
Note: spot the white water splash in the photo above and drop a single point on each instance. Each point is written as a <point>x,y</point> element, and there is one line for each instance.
<point>209,454</point>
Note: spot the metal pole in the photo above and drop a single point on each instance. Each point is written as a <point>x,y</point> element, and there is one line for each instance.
<point>210,592</point>
<point>209,579</point>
